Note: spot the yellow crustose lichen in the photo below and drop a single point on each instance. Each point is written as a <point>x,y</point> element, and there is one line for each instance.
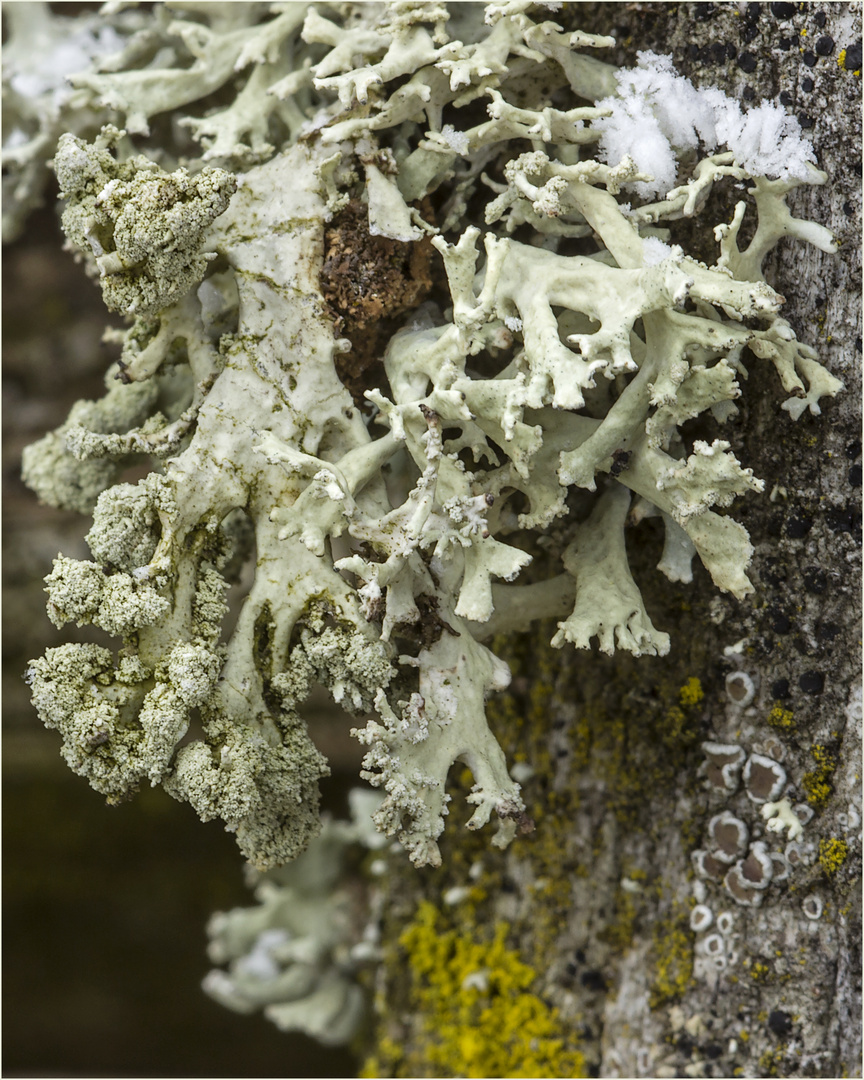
<point>780,717</point>
<point>817,783</point>
<point>673,953</point>
<point>691,693</point>
<point>832,855</point>
<point>481,1017</point>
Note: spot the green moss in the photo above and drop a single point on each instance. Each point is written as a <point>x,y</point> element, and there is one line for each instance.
<point>832,855</point>
<point>480,1017</point>
<point>817,783</point>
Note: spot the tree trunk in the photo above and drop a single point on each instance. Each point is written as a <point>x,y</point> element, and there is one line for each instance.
<point>651,965</point>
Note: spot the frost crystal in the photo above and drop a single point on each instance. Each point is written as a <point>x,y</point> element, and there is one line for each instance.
<point>658,115</point>
<point>349,372</point>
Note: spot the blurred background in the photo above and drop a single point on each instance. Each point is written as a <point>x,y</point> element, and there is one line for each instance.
<point>104,909</point>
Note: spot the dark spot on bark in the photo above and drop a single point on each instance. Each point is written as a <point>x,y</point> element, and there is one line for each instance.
<point>780,622</point>
<point>809,58</point>
<point>717,52</point>
<point>593,980</point>
<point>805,121</point>
<point>828,631</point>
<point>693,51</point>
<point>825,46</point>
<point>820,18</point>
<point>785,43</point>
<point>846,520</point>
<point>368,281</point>
<point>774,525</point>
<point>815,580</point>
<point>782,11</point>
<point>713,1051</point>
<point>848,209</point>
<point>853,57</point>
<point>854,447</point>
<point>703,11</point>
<point>786,98</point>
<point>749,33</point>
<point>780,689</point>
<point>855,475</point>
<point>812,682</point>
<point>773,574</point>
<point>749,94</point>
<point>779,1022</point>
<point>747,62</point>
<point>807,84</point>
<point>798,525</point>
<point>686,1045</point>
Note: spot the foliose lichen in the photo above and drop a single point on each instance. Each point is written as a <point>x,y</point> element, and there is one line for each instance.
<point>296,953</point>
<point>566,343</point>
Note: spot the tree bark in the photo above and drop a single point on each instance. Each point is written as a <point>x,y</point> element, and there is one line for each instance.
<point>601,900</point>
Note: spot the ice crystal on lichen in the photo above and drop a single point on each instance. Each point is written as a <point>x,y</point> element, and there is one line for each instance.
<point>377,352</point>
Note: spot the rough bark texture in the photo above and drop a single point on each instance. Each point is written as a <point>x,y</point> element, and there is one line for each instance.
<point>599,899</point>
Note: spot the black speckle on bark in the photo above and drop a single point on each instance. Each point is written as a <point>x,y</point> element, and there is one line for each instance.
<point>812,682</point>
<point>815,580</point>
<point>780,689</point>
<point>779,1022</point>
<point>797,526</point>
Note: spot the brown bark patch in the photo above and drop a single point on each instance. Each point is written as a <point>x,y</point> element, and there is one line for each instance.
<point>368,282</point>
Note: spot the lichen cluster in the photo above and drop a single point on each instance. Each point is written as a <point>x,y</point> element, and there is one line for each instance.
<point>383,483</point>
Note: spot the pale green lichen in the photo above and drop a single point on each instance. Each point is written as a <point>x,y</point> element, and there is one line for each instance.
<point>543,383</point>
<point>296,953</point>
